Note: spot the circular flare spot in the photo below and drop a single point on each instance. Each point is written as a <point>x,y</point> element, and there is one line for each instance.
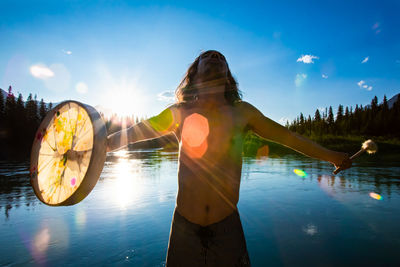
<point>300,173</point>
<point>375,196</point>
<point>195,130</point>
<point>194,135</point>
<point>73,181</point>
<point>263,152</point>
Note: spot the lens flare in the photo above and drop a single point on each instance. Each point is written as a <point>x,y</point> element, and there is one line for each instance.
<point>163,121</point>
<point>263,152</point>
<point>300,173</point>
<point>375,196</point>
<point>194,135</point>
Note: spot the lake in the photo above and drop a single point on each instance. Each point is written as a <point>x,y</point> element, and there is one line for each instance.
<point>288,220</point>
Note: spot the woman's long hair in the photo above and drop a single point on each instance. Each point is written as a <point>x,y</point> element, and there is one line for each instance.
<point>187,91</point>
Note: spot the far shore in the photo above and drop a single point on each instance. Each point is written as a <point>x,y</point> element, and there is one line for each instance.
<point>388,148</point>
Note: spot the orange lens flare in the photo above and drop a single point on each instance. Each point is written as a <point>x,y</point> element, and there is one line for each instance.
<point>263,152</point>
<point>375,196</point>
<point>194,135</point>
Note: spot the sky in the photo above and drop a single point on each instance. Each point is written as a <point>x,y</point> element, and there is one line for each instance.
<point>129,56</point>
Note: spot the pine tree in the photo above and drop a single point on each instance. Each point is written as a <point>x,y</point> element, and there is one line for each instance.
<point>330,120</point>
<point>347,121</point>
<point>42,110</point>
<point>9,108</point>
<point>383,118</point>
<point>32,117</point>
<point>317,116</point>
<point>339,121</point>
<point>339,115</point>
<point>18,139</point>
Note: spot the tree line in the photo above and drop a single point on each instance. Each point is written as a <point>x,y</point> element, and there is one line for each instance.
<point>20,119</point>
<point>371,120</point>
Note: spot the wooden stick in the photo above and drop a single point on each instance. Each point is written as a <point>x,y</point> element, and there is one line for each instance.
<point>369,146</point>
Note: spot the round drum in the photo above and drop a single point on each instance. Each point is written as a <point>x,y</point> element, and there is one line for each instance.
<point>68,154</point>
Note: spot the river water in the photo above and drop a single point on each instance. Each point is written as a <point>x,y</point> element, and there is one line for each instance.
<point>288,220</point>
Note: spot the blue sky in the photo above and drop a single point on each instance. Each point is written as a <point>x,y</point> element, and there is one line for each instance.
<point>128,56</point>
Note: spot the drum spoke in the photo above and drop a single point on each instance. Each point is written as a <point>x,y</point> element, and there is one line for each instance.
<point>44,154</point>
<point>70,126</point>
<point>45,165</point>
<point>75,130</point>
<point>61,184</point>
<point>55,140</point>
<point>54,149</point>
<point>83,124</point>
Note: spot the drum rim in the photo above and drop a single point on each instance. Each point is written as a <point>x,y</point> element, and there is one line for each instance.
<point>97,156</point>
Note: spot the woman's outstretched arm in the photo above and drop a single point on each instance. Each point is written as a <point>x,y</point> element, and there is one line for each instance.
<point>269,129</point>
<point>157,126</point>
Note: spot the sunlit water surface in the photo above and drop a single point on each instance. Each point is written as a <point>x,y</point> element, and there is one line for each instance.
<point>288,219</point>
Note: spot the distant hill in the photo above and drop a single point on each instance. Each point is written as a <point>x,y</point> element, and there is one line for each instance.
<point>4,93</point>
<point>393,100</point>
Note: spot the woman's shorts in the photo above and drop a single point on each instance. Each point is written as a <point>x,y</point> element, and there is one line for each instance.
<point>218,244</point>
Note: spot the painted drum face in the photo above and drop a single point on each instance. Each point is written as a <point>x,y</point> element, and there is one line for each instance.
<point>62,152</point>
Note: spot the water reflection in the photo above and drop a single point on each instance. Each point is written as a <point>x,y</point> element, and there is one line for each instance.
<point>285,217</point>
<point>41,244</point>
<point>126,187</point>
<point>124,169</point>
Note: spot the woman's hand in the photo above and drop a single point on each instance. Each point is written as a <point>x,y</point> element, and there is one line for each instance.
<point>342,161</point>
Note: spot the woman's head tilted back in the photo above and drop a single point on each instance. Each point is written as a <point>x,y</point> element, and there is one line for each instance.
<point>215,67</point>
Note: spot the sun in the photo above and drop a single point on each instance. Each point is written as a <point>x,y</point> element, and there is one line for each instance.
<point>124,97</point>
<point>126,101</point>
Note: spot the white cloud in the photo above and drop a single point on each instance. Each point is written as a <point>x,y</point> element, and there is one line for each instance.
<point>81,87</point>
<point>324,76</point>
<point>166,96</point>
<point>300,78</point>
<point>68,52</point>
<point>365,60</point>
<point>307,59</point>
<point>40,71</point>
<point>362,85</point>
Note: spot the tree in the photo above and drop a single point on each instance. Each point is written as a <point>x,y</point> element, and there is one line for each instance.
<point>19,125</point>
<point>339,115</point>
<point>31,110</point>
<point>330,120</point>
<point>42,110</point>
<point>9,108</point>
<point>317,116</point>
<point>339,120</point>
